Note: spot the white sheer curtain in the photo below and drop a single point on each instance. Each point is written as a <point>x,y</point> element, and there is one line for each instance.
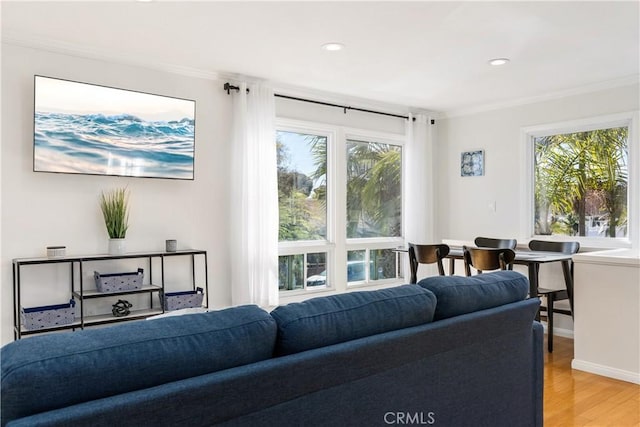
<point>419,188</point>
<point>254,198</point>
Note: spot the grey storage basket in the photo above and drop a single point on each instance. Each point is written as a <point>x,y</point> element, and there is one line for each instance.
<point>48,316</point>
<point>118,282</point>
<point>177,300</point>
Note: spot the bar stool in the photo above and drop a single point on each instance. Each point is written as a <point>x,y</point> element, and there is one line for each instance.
<point>553,295</point>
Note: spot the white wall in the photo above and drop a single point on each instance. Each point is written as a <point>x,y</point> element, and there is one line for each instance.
<point>49,209</point>
<point>41,209</point>
<point>607,332</point>
<point>463,203</point>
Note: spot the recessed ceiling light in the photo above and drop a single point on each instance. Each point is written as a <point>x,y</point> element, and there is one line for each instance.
<point>498,61</point>
<point>333,46</point>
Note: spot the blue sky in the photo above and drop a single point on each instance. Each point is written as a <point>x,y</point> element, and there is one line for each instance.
<point>299,152</point>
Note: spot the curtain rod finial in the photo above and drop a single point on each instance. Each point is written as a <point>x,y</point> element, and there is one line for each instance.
<point>229,87</point>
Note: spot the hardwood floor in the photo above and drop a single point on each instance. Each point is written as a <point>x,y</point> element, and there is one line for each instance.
<point>576,398</point>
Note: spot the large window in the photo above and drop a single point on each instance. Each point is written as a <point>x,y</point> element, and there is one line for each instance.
<point>374,189</point>
<point>340,199</point>
<point>302,197</point>
<point>302,185</point>
<point>582,185</point>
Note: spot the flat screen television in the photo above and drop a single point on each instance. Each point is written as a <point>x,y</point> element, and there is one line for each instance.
<point>82,128</point>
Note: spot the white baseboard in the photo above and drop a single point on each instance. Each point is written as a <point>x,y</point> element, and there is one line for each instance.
<point>566,333</point>
<point>606,371</point>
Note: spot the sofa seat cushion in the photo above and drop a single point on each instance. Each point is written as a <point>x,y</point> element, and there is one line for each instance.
<point>323,321</point>
<point>460,295</point>
<point>54,371</point>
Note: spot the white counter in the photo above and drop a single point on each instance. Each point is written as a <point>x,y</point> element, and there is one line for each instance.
<point>607,313</point>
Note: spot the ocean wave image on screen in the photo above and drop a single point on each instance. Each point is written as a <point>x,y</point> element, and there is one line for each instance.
<point>123,145</point>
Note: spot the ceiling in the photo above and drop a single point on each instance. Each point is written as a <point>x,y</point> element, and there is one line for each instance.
<point>423,55</point>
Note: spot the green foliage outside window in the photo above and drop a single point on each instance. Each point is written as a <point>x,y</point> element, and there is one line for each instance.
<point>373,183</point>
<point>374,189</point>
<point>291,272</point>
<point>581,183</point>
<point>302,194</point>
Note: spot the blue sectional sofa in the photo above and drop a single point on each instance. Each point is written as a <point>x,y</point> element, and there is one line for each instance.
<point>449,351</point>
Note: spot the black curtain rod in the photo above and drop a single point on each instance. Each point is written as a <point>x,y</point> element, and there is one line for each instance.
<point>344,107</point>
<point>228,87</point>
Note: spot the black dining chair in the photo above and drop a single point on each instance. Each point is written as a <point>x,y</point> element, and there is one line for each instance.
<point>426,254</point>
<point>487,259</point>
<point>554,295</point>
<point>488,242</point>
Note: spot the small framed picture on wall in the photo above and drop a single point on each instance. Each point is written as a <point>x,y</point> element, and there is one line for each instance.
<point>472,163</point>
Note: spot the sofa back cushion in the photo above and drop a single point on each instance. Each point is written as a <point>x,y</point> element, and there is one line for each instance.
<point>323,321</point>
<point>53,371</point>
<point>460,295</point>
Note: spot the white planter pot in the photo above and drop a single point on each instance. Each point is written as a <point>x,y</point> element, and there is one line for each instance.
<point>117,246</point>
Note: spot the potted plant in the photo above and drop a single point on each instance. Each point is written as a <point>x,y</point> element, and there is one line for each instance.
<point>115,210</point>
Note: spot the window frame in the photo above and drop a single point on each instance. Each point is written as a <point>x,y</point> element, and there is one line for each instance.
<point>626,119</point>
<point>337,245</point>
<point>327,245</point>
<point>368,245</point>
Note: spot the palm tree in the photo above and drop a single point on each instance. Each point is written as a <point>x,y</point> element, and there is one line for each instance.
<point>382,193</point>
<point>610,173</point>
<point>571,169</point>
<point>374,189</point>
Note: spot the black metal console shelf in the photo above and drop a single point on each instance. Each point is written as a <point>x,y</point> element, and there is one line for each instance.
<point>79,293</point>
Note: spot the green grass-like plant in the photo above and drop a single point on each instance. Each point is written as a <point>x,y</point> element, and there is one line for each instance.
<point>115,205</point>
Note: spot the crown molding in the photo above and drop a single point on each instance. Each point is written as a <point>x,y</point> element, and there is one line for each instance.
<point>74,49</point>
<point>579,90</point>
